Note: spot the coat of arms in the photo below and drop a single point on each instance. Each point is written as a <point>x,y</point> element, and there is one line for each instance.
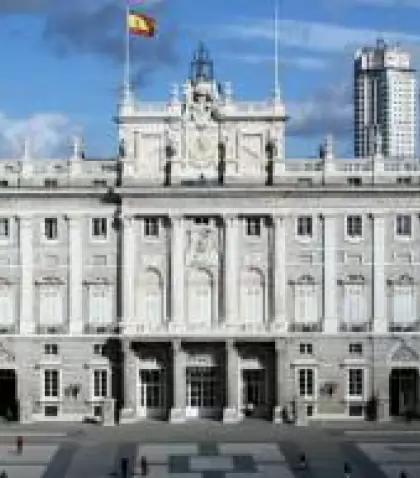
<point>203,247</point>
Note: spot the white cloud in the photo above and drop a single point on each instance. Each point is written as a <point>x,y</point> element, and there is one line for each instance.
<point>316,36</point>
<point>48,134</point>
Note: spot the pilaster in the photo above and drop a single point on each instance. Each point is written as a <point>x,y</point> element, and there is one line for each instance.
<point>75,274</point>
<point>231,273</point>
<point>280,380</point>
<point>27,324</point>
<point>178,410</point>
<point>178,271</point>
<point>330,275</point>
<point>231,412</point>
<point>128,273</point>
<point>380,324</point>
<point>279,272</point>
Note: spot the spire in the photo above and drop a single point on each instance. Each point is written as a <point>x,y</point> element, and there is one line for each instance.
<point>202,65</point>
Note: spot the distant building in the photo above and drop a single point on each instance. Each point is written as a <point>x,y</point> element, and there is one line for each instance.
<point>202,274</point>
<point>385,96</point>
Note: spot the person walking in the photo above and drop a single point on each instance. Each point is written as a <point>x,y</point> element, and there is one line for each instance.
<point>347,470</point>
<point>144,466</point>
<point>19,444</point>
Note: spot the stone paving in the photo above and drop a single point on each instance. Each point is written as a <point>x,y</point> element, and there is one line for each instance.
<point>222,453</point>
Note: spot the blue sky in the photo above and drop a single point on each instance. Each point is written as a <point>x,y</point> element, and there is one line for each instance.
<point>62,62</point>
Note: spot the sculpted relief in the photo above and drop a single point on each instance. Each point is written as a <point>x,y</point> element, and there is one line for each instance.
<point>202,247</point>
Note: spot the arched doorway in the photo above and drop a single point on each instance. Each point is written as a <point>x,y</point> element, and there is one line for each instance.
<point>8,395</point>
<point>403,390</point>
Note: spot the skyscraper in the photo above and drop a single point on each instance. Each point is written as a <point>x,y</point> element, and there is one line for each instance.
<point>384,101</point>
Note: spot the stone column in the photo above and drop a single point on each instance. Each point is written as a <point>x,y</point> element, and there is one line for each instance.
<point>231,276</point>
<point>75,275</point>
<point>27,324</point>
<point>128,273</point>
<point>280,289</point>
<point>281,399</point>
<point>330,275</point>
<point>231,412</point>
<point>179,364</point>
<point>177,272</point>
<point>380,324</point>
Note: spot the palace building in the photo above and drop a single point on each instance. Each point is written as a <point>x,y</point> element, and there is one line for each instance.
<point>203,274</point>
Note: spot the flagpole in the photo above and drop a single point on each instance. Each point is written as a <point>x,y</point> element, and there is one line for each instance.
<point>127,83</point>
<point>276,51</point>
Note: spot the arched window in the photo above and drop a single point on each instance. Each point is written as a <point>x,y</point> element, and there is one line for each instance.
<point>252,297</point>
<point>404,301</point>
<point>152,308</point>
<point>200,297</point>
<point>306,301</point>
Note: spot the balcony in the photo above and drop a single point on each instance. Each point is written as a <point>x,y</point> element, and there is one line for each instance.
<point>360,327</point>
<point>404,327</point>
<point>305,327</point>
<point>51,329</point>
<point>91,329</point>
<point>8,329</point>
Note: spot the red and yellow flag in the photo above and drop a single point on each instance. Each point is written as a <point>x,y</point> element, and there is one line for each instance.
<point>141,24</point>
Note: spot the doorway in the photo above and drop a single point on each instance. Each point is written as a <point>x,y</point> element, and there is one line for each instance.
<point>403,390</point>
<point>151,392</point>
<point>8,395</point>
<point>254,391</point>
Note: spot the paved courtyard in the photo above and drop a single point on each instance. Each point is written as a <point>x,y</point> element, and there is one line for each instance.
<point>250,450</point>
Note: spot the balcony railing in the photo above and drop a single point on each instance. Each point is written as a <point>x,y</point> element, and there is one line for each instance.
<point>359,327</point>
<point>305,327</point>
<point>404,327</point>
<point>51,329</point>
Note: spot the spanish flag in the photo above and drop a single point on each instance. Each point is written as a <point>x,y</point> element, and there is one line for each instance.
<point>141,24</point>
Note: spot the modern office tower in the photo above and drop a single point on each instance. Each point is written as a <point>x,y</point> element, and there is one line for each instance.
<point>384,101</point>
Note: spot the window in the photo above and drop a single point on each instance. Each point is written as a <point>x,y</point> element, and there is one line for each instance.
<point>51,349</point>
<point>354,181</point>
<point>50,228</point>
<point>51,383</point>
<point>7,305</point>
<point>98,349</point>
<point>202,221</point>
<point>200,300</point>
<point>354,304</point>
<point>4,228</point>
<point>151,227</point>
<point>4,183</point>
<point>306,382</point>
<point>51,411</point>
<point>356,348</point>
<point>252,297</point>
<point>306,303</point>
<point>99,227</point>
<point>253,226</point>
<point>355,383</point>
<point>100,383</point>
<point>403,225</point>
<point>50,305</point>
<point>404,302</point>
<point>404,180</point>
<point>305,349</point>
<point>100,305</point>
<point>152,288</point>
<point>51,183</point>
<point>304,226</point>
<point>354,226</point>
<point>100,183</point>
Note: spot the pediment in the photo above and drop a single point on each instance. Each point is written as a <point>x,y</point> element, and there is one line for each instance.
<point>404,353</point>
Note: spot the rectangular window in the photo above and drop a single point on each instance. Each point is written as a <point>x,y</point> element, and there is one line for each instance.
<point>51,183</point>
<point>50,306</point>
<point>354,181</point>
<point>100,305</point>
<point>50,228</point>
<point>354,306</point>
<point>4,228</point>
<point>99,227</point>
<point>98,349</point>
<point>151,227</point>
<point>51,349</point>
<point>403,225</point>
<point>354,226</point>
<point>356,348</point>
<point>355,382</point>
<point>305,349</point>
<point>306,382</point>
<point>304,226</point>
<point>253,226</point>
<point>51,383</point>
<point>100,383</point>
<point>202,221</point>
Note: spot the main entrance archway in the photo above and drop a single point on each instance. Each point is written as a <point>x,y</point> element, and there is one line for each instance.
<point>403,390</point>
<point>8,395</point>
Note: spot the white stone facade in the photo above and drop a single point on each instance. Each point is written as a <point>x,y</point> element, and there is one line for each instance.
<point>207,275</point>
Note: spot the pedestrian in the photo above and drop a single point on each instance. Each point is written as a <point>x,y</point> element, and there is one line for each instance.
<point>3,474</point>
<point>124,467</point>
<point>347,470</point>
<point>302,462</point>
<point>403,474</point>
<point>144,466</point>
<point>19,444</point>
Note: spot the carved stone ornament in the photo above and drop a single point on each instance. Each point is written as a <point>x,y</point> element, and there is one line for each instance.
<point>5,354</point>
<point>203,247</point>
<point>404,353</point>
